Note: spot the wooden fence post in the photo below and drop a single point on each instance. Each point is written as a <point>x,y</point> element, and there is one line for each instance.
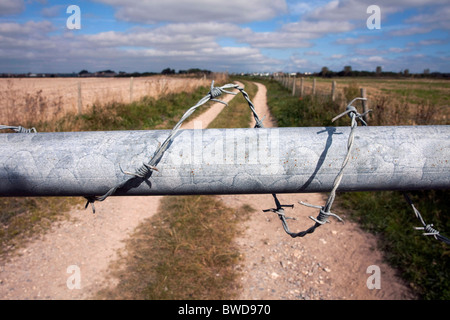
<point>80,103</point>
<point>333,90</point>
<point>301,87</point>
<point>293,87</point>
<point>365,104</point>
<point>314,87</point>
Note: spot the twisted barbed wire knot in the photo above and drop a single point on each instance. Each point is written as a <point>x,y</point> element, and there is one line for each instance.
<point>259,123</point>
<point>215,92</point>
<point>19,129</point>
<point>141,172</point>
<point>279,210</point>
<point>353,112</point>
<point>427,228</point>
<point>323,215</point>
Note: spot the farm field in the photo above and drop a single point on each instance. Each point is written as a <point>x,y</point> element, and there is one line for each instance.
<point>411,90</point>
<point>46,99</point>
<point>421,101</point>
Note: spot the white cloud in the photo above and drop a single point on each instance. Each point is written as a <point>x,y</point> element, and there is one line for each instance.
<point>179,46</point>
<point>433,20</point>
<point>356,10</point>
<point>30,28</point>
<point>313,53</point>
<point>352,41</point>
<point>197,35</point>
<point>399,50</point>
<point>293,35</point>
<point>299,62</point>
<point>276,40</point>
<point>8,7</point>
<point>343,10</point>
<point>238,11</point>
<point>377,59</point>
<point>313,28</point>
<point>183,36</point>
<point>409,31</point>
<point>303,7</point>
<point>428,42</point>
<point>369,51</point>
<point>53,11</point>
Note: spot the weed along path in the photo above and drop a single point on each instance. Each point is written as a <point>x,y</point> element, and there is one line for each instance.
<point>71,261</point>
<point>334,262</point>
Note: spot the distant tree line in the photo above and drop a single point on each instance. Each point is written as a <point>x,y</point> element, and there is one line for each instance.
<point>166,71</point>
<point>347,71</point>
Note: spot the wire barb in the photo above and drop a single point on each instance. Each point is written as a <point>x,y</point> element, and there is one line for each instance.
<point>427,228</point>
<point>322,218</point>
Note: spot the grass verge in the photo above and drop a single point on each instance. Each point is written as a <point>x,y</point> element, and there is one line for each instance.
<point>422,262</point>
<point>184,252</point>
<point>237,114</point>
<point>22,218</point>
<point>147,113</point>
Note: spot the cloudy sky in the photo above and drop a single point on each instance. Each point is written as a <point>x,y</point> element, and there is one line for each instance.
<point>232,35</point>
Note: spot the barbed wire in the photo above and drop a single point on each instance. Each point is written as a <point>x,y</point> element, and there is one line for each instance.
<point>325,211</point>
<point>18,129</point>
<point>427,228</point>
<point>145,171</point>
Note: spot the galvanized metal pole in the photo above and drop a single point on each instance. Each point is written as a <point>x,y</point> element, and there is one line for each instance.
<point>225,161</point>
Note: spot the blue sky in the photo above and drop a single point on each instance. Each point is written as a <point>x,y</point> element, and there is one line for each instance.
<point>232,35</point>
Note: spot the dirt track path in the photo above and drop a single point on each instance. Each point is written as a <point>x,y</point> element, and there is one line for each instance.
<point>329,264</point>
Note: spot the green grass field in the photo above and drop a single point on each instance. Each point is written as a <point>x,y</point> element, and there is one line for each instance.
<point>412,90</point>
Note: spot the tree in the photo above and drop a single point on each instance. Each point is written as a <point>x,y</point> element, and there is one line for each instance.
<point>378,71</point>
<point>347,71</point>
<point>168,71</point>
<point>324,71</point>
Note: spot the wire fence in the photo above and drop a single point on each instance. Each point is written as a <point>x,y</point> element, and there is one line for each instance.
<point>303,86</point>
<point>144,172</point>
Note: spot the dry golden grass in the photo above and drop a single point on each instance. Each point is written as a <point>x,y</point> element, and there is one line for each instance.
<point>48,99</point>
